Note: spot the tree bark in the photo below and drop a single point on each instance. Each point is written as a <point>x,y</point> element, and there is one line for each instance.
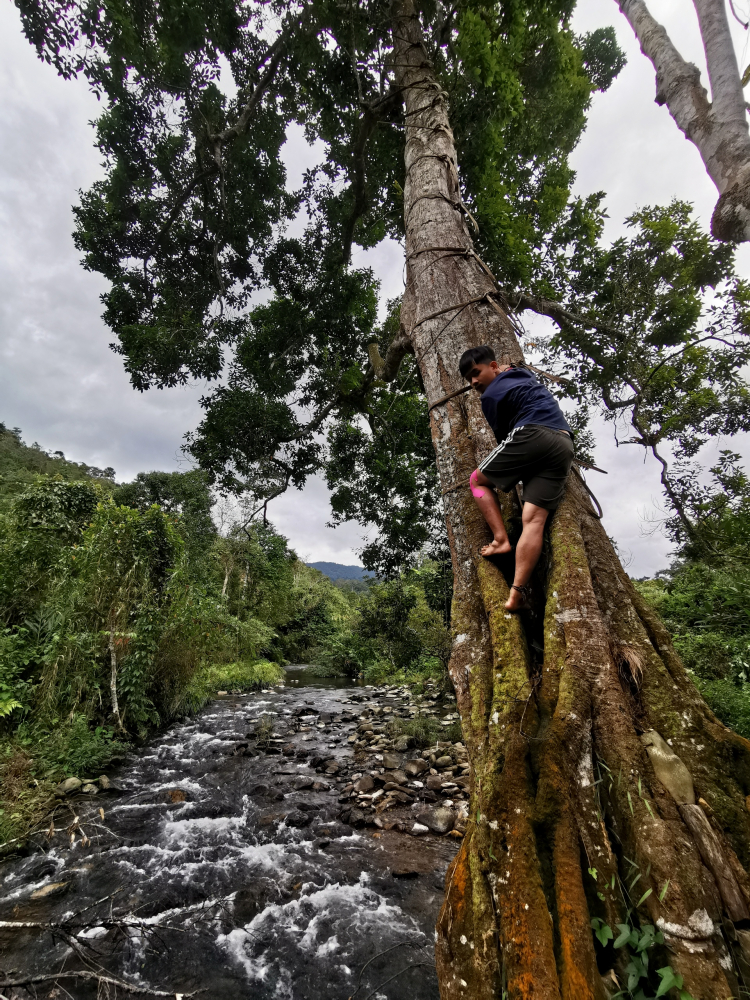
<point>555,706</point>
<point>719,128</point>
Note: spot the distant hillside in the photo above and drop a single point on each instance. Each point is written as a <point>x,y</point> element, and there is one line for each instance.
<point>21,464</point>
<point>338,571</point>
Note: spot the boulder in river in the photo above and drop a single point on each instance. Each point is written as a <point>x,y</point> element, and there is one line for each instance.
<point>67,787</point>
<point>439,820</point>
<point>297,818</point>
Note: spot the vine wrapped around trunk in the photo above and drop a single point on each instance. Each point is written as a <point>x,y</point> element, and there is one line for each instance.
<point>594,760</point>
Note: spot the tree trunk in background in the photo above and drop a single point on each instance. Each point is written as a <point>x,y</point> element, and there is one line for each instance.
<point>548,702</point>
<point>719,128</point>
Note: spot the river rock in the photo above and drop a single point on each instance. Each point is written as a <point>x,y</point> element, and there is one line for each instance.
<point>443,761</point>
<point>402,743</point>
<point>439,820</point>
<point>399,777</point>
<point>418,830</point>
<point>90,789</point>
<point>67,787</point>
<point>297,818</point>
<point>415,767</point>
<point>434,782</point>
<point>365,783</point>
<point>320,786</point>
<point>391,761</point>
<point>104,783</point>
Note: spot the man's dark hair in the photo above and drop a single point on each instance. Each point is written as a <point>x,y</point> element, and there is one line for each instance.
<point>475,356</point>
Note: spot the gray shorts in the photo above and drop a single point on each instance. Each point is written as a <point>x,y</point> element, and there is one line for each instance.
<point>537,456</point>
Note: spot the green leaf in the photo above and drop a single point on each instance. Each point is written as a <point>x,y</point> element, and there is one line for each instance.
<point>623,936</point>
<point>630,803</point>
<point>668,980</point>
<point>746,77</point>
<point>593,873</point>
<point>644,897</point>
<point>663,892</point>
<point>603,934</point>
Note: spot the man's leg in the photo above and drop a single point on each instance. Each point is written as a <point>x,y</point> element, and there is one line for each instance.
<point>481,488</point>
<point>528,550</point>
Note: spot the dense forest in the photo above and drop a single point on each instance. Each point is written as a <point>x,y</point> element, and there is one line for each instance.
<point>122,607</point>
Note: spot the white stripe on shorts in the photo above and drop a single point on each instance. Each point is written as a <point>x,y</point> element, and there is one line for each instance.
<point>483,465</point>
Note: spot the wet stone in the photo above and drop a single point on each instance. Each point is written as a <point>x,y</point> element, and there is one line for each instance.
<point>444,761</point>
<point>297,818</point>
<point>415,767</point>
<point>391,760</point>
<point>434,782</point>
<point>365,783</point>
<point>439,820</point>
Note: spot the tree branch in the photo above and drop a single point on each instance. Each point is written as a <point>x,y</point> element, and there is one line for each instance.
<point>719,131</point>
<point>521,301</point>
<point>727,99</point>
<point>386,369</point>
<point>91,977</point>
<point>276,52</point>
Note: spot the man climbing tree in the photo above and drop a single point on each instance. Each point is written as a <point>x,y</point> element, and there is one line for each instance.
<point>535,447</point>
<point>605,794</point>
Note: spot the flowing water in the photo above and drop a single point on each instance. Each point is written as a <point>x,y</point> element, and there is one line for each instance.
<point>207,868</point>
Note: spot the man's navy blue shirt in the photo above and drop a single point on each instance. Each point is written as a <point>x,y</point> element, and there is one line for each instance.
<point>516,398</point>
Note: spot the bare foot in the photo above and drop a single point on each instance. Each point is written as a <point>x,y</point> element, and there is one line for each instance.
<point>518,600</point>
<point>496,548</point>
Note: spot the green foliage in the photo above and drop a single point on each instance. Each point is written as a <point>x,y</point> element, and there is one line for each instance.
<point>704,598</point>
<point>639,941</point>
<point>22,464</point>
<point>664,342</point>
<point>231,677</point>
<point>186,494</point>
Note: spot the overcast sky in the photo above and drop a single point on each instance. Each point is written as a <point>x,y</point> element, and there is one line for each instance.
<point>64,388</point>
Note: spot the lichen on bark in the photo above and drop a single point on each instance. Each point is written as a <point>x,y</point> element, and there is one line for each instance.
<point>554,705</point>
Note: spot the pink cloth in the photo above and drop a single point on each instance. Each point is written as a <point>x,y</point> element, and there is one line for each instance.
<point>476,489</point>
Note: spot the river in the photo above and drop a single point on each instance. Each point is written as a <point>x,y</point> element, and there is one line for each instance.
<point>209,866</point>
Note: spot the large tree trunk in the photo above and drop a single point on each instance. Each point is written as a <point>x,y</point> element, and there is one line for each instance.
<point>553,702</point>
<point>719,128</point>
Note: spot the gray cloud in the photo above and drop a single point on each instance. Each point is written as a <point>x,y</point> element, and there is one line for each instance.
<point>63,386</point>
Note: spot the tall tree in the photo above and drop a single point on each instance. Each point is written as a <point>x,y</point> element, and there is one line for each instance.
<point>596,766</point>
<point>718,127</point>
